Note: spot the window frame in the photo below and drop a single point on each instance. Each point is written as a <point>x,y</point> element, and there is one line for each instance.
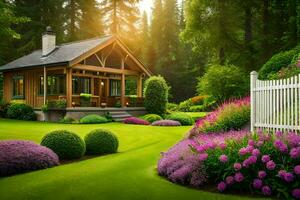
<point>81,87</point>
<point>41,86</point>
<point>17,78</point>
<point>117,92</point>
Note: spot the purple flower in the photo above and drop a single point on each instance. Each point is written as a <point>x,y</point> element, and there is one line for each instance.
<point>278,144</point>
<point>252,159</point>
<point>238,177</point>
<point>271,165</point>
<point>166,122</point>
<point>249,148</point>
<point>265,158</point>
<point>203,156</point>
<point>260,143</point>
<point>295,152</point>
<point>262,174</point>
<point>279,134</point>
<point>222,146</point>
<point>297,169</point>
<point>257,183</point>
<point>281,173</point>
<point>19,156</point>
<point>237,166</point>
<point>251,142</point>
<point>243,151</point>
<point>222,186</point>
<point>229,180</point>
<point>266,190</point>
<point>223,158</point>
<point>256,152</point>
<point>288,177</point>
<point>296,193</point>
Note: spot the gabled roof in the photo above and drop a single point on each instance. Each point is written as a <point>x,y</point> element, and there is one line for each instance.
<point>64,54</point>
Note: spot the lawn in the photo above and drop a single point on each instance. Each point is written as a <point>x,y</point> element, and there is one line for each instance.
<point>129,174</point>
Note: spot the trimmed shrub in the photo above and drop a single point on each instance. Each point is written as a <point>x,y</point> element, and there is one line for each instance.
<point>234,82</point>
<point>134,120</point>
<point>156,95</point>
<point>93,119</point>
<point>185,105</point>
<point>68,120</point>
<point>20,111</point>
<point>197,108</point>
<point>277,62</point>
<point>151,118</point>
<point>19,156</point>
<point>65,144</point>
<point>172,107</point>
<point>3,109</point>
<point>183,118</point>
<point>166,122</point>
<point>101,141</point>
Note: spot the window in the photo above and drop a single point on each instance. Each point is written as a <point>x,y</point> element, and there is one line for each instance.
<point>56,85</point>
<point>115,88</point>
<point>81,85</point>
<point>18,87</point>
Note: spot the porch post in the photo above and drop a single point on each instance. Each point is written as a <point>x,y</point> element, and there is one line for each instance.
<point>45,85</point>
<point>140,86</point>
<point>123,90</point>
<point>69,87</point>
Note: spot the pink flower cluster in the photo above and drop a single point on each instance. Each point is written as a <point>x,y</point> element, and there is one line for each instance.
<point>213,116</point>
<point>134,120</point>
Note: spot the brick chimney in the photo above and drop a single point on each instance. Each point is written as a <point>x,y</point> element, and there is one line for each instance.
<point>48,41</point>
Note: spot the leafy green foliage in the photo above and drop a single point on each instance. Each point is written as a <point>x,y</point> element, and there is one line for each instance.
<point>183,118</point>
<point>197,108</point>
<point>151,118</point>
<point>93,119</point>
<point>20,111</point>
<point>54,104</point>
<point>172,107</point>
<point>276,63</point>
<point>68,120</point>
<point>101,141</point>
<point>66,144</point>
<point>223,82</point>
<point>156,95</point>
<point>185,105</point>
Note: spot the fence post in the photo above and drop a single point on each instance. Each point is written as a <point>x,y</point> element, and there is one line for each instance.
<point>253,78</point>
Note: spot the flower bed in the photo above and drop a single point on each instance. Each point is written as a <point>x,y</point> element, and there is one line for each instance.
<point>237,161</point>
<point>166,123</point>
<point>232,115</point>
<point>134,120</point>
<point>19,156</point>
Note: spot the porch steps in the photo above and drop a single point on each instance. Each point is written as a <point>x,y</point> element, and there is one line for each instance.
<point>119,116</point>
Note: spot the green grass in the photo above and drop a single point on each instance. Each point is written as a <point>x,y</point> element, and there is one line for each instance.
<point>129,174</point>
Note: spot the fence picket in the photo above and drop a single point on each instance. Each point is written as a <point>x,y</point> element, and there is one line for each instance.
<point>276,104</point>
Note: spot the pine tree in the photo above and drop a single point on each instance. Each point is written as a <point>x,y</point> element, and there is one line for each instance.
<point>90,24</point>
<point>72,17</point>
<point>145,40</point>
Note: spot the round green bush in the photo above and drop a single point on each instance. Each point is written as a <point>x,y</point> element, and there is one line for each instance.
<point>93,119</point>
<point>275,63</point>
<point>223,82</point>
<point>20,111</point>
<point>183,118</point>
<point>197,108</point>
<point>152,118</point>
<point>101,141</point>
<point>65,144</point>
<point>156,95</point>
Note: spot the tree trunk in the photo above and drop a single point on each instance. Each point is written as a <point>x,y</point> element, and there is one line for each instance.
<point>248,38</point>
<point>72,20</point>
<point>266,22</point>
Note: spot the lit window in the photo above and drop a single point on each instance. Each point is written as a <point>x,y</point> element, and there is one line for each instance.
<point>18,87</point>
<point>115,88</point>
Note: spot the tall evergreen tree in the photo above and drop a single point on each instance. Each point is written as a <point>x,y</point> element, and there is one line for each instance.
<point>90,24</point>
<point>145,40</point>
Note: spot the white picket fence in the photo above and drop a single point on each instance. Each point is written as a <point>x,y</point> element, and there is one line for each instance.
<point>275,104</point>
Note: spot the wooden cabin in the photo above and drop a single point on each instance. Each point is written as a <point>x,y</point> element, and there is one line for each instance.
<point>99,66</point>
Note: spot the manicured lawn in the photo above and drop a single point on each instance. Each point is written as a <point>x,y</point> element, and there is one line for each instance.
<point>129,174</point>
